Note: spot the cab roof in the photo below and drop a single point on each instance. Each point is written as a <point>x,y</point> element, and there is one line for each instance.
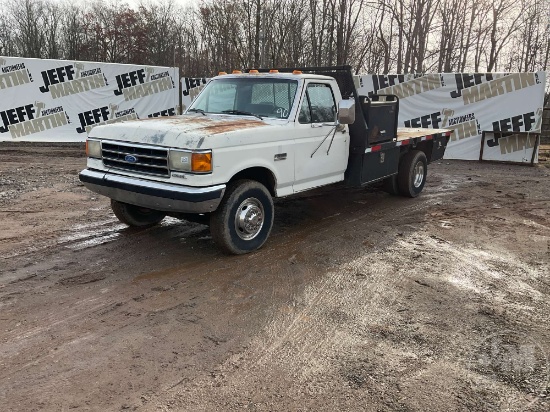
<point>289,76</point>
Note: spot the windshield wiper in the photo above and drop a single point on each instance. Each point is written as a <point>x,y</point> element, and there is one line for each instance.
<point>197,111</point>
<point>243,113</point>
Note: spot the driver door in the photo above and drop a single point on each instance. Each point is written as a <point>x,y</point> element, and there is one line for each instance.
<point>321,152</point>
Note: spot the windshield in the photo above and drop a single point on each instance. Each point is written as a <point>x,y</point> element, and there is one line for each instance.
<point>263,97</point>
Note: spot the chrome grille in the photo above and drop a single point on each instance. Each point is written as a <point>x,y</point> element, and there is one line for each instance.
<point>150,161</point>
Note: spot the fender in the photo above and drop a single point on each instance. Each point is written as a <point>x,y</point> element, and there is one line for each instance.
<point>242,169</point>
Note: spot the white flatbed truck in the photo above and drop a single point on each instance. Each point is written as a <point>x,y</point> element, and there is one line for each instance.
<point>249,137</point>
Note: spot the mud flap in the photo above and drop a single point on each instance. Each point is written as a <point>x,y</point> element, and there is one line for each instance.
<point>438,148</point>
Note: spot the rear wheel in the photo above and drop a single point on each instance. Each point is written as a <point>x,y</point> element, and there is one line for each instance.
<point>136,216</point>
<point>413,170</point>
<point>243,221</point>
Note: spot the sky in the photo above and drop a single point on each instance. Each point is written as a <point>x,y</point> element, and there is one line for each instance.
<point>133,3</point>
<point>137,2</point>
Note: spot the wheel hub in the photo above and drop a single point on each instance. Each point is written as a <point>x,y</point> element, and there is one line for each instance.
<point>249,219</point>
<point>418,174</point>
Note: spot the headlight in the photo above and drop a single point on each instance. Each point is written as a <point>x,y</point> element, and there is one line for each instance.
<point>93,148</point>
<point>180,160</point>
<point>188,161</point>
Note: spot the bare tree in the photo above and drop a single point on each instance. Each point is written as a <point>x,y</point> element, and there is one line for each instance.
<point>72,32</point>
<point>506,20</point>
<point>452,31</point>
<point>7,46</point>
<point>530,42</point>
<point>28,17</point>
<point>402,36</point>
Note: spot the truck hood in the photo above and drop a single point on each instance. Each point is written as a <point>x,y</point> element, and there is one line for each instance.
<point>185,131</point>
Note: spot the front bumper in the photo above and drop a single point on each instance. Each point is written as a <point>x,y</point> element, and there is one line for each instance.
<point>153,195</point>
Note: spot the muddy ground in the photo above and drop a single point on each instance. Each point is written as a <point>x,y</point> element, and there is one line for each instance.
<point>358,301</point>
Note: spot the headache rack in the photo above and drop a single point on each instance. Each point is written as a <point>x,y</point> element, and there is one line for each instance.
<point>342,74</point>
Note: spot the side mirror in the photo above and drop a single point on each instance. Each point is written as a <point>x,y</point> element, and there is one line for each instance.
<point>346,111</point>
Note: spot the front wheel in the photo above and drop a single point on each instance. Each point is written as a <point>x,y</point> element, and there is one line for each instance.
<point>244,219</point>
<point>413,170</point>
<point>136,216</point>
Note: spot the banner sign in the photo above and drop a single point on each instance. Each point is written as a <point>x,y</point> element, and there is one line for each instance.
<point>509,147</point>
<point>468,104</point>
<point>61,101</point>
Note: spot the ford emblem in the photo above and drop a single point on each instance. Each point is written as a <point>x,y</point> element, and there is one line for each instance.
<point>130,158</point>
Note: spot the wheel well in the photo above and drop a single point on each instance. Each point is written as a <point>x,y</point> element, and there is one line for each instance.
<point>259,174</point>
<point>426,147</point>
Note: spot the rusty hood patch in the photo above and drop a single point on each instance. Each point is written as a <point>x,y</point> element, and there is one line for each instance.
<point>232,125</point>
<point>206,125</point>
<point>177,131</point>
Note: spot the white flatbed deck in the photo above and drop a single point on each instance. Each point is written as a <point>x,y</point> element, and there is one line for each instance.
<point>404,133</point>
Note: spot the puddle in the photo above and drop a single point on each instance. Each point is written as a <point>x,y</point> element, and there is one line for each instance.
<point>94,242</point>
<point>88,235</point>
<point>445,224</point>
<point>84,234</point>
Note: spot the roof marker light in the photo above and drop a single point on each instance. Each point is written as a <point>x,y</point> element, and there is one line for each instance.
<point>253,71</point>
<point>221,73</point>
<point>297,72</point>
<point>237,72</point>
<point>274,71</point>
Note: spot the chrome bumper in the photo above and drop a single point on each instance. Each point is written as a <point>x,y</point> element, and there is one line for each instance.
<point>153,195</point>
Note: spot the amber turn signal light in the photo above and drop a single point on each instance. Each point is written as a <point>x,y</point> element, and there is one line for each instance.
<point>201,162</point>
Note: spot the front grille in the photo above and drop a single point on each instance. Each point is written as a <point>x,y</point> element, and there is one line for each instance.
<point>149,161</point>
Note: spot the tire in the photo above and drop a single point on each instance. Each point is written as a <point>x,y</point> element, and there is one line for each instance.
<point>389,185</point>
<point>136,216</point>
<point>413,170</point>
<point>244,219</point>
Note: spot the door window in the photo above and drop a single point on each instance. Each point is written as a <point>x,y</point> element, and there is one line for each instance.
<point>318,105</point>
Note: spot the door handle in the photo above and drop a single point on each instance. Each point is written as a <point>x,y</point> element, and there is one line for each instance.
<point>280,156</point>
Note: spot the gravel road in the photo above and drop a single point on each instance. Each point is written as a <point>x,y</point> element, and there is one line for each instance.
<point>358,301</point>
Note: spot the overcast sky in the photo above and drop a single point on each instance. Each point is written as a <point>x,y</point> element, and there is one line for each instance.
<point>132,3</point>
<point>137,2</point>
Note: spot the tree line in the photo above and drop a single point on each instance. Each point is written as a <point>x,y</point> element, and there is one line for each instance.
<point>403,36</point>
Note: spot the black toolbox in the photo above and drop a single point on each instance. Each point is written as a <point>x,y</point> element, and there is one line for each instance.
<point>381,113</point>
